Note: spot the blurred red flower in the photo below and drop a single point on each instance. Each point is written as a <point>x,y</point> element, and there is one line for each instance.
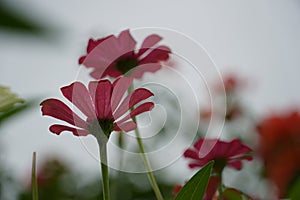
<point>280,149</point>
<point>114,56</point>
<point>100,103</point>
<point>223,153</point>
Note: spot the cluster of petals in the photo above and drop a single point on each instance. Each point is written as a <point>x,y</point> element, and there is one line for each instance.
<point>117,55</point>
<point>206,150</point>
<point>103,105</point>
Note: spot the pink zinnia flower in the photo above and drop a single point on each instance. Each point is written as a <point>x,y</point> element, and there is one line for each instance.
<point>101,104</point>
<point>223,153</point>
<point>114,56</point>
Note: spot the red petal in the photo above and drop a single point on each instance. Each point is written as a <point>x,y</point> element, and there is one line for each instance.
<point>132,99</point>
<point>126,126</point>
<point>101,94</point>
<point>237,164</point>
<point>57,129</point>
<point>120,86</point>
<point>139,71</point>
<point>57,109</point>
<point>126,42</point>
<point>140,109</point>
<point>160,53</point>
<point>212,187</point>
<point>80,97</point>
<point>148,43</point>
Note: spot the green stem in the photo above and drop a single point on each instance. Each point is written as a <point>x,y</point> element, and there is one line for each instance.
<point>35,195</point>
<point>148,167</point>
<point>145,158</point>
<point>104,168</point>
<point>220,188</point>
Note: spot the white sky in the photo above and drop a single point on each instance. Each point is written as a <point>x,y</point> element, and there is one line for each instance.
<point>258,39</point>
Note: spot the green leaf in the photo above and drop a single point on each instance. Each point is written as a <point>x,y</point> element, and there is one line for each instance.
<point>232,194</point>
<point>195,188</point>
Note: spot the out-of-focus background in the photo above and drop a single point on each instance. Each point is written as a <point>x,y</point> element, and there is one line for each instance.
<point>39,51</point>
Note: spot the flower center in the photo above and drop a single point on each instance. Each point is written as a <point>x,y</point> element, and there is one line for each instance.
<point>124,65</point>
<point>100,126</point>
<point>219,165</point>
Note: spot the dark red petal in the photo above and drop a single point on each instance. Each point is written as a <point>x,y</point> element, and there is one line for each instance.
<point>126,42</point>
<point>57,109</point>
<point>236,147</point>
<point>139,71</point>
<point>81,59</point>
<point>158,54</point>
<point>57,129</point>
<point>78,94</point>
<point>191,154</point>
<point>132,99</point>
<point>148,43</point>
<point>126,126</point>
<point>140,109</point>
<point>120,86</point>
<point>101,94</point>
<point>236,164</point>
<point>93,43</point>
<point>212,187</point>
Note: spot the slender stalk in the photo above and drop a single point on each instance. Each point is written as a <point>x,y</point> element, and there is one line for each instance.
<point>220,188</point>
<point>35,195</point>
<point>148,167</point>
<point>104,168</point>
<point>145,158</point>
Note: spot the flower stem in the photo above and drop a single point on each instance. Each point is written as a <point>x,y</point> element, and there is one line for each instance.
<point>145,158</point>
<point>35,195</point>
<point>148,167</point>
<point>104,168</point>
<point>220,188</point>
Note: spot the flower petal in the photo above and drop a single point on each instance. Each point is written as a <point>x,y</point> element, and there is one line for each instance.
<point>126,42</point>
<point>148,43</point>
<point>57,129</point>
<point>140,70</point>
<point>132,99</point>
<point>91,45</point>
<point>140,109</point>
<point>78,94</point>
<point>158,54</point>
<point>101,94</point>
<point>59,110</point>
<point>126,126</point>
<point>120,86</point>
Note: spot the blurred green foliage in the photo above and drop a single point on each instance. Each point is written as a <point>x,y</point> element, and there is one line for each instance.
<point>13,21</point>
<point>56,181</point>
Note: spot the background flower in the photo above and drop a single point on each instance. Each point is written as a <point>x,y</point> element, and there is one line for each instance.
<point>279,146</point>
<point>223,153</point>
<point>114,56</point>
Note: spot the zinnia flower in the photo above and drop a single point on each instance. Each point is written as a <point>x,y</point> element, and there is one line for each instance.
<point>101,104</point>
<point>280,149</point>
<point>223,153</point>
<point>114,56</point>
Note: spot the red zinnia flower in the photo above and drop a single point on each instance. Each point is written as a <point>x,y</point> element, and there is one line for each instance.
<point>100,103</point>
<point>280,149</point>
<point>114,56</point>
<point>223,153</point>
